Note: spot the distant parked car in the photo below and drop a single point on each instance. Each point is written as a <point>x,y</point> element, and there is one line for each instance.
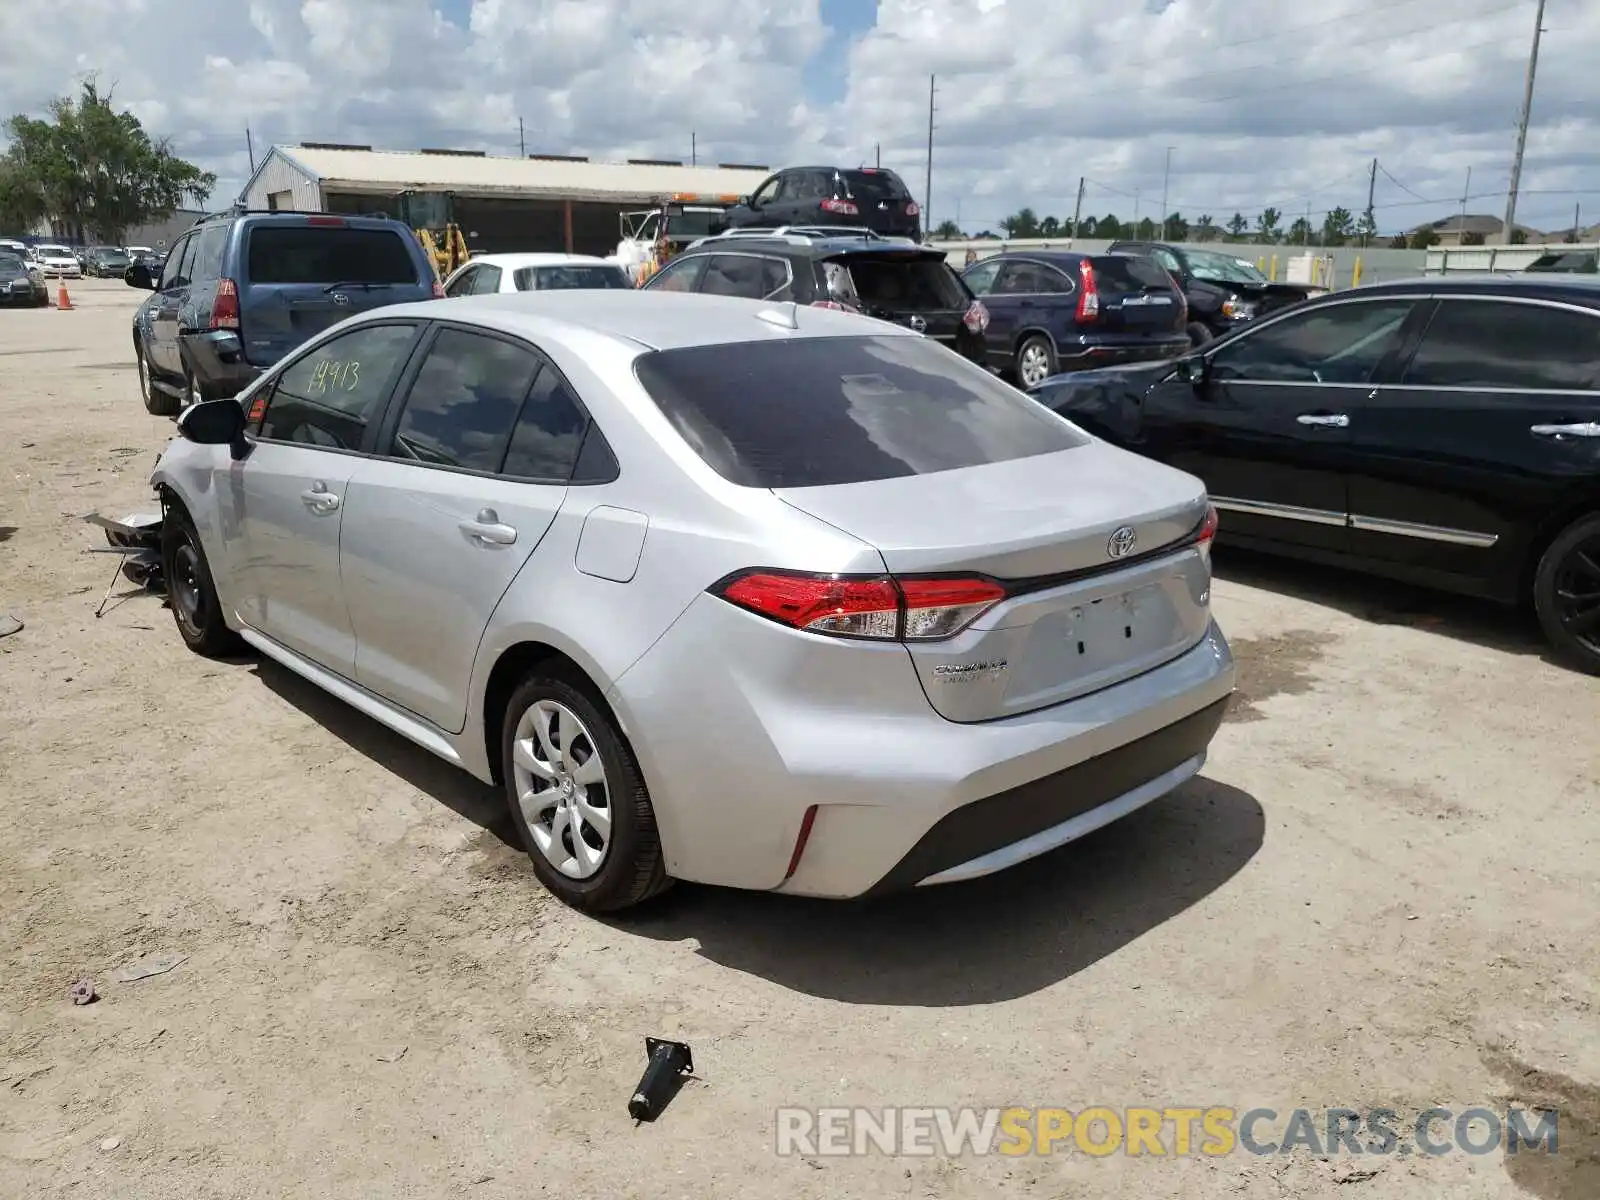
<point>1566,262</point>
<point>1443,431</point>
<point>107,262</point>
<point>1222,291</point>
<point>805,605</point>
<point>860,197</point>
<point>242,289</point>
<point>56,261</point>
<point>20,284</point>
<point>534,273</point>
<point>1055,310</point>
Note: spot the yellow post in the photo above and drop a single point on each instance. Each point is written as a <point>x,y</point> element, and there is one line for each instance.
<point>1261,265</point>
<point>1355,276</point>
<point>1273,274</point>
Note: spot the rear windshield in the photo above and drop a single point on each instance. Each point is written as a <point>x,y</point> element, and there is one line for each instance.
<point>875,185</point>
<point>313,254</point>
<point>902,283</point>
<point>549,279</point>
<point>1124,273</point>
<point>694,223</point>
<point>1578,263</point>
<point>809,412</point>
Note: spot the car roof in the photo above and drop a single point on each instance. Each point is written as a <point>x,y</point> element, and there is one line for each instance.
<point>643,319</point>
<point>1065,258</point>
<point>1577,289</point>
<point>532,259</point>
<point>816,247</point>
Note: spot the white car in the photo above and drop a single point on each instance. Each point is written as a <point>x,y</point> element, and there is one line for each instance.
<point>534,273</point>
<point>57,261</point>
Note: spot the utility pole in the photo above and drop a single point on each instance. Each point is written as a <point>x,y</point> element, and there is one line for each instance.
<point>1466,193</point>
<point>1577,220</point>
<point>877,154</point>
<point>1522,128</point>
<point>694,148</point>
<point>1305,240</point>
<point>250,145</point>
<point>1135,212</point>
<point>1166,178</point>
<point>1077,209</point>
<point>1369,218</point>
<point>927,188</point>
<point>522,140</point>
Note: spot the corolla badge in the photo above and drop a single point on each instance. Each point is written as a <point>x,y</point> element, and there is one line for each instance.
<point>918,324</point>
<point>1122,542</point>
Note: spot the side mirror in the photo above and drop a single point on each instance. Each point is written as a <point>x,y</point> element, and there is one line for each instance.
<point>139,276</point>
<point>748,202</point>
<point>1192,369</point>
<point>215,423</point>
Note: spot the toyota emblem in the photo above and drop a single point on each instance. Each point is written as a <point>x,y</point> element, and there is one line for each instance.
<point>341,299</point>
<point>1122,542</point>
<point>918,324</point>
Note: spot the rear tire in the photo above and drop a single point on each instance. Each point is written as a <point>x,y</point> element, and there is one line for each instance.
<point>1199,335</point>
<point>191,592</point>
<point>1566,593</point>
<point>1036,360</point>
<point>553,734</point>
<point>157,403</point>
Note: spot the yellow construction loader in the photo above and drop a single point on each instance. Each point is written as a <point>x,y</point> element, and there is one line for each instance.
<point>446,247</point>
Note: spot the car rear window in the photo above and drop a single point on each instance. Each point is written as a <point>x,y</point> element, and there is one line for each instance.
<point>810,412</point>
<point>905,282</point>
<point>569,278</point>
<point>316,254</point>
<point>1125,273</point>
<point>875,185</point>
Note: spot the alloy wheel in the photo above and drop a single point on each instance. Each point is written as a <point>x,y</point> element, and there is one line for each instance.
<point>561,788</point>
<point>1034,365</point>
<point>1577,591</point>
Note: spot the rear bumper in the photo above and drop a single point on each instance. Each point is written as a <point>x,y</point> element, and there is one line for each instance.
<point>217,359</point>
<point>28,297</point>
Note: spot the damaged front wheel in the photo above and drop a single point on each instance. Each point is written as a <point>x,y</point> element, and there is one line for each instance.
<point>190,591</point>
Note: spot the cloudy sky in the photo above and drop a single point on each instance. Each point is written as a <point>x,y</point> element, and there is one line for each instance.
<point>1262,102</point>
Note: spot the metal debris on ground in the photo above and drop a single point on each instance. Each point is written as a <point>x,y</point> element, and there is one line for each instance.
<point>9,625</point>
<point>670,1063</point>
<point>82,992</point>
<point>150,964</point>
<point>136,540</point>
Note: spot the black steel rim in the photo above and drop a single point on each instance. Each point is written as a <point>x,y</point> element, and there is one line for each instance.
<point>1578,593</point>
<point>187,594</point>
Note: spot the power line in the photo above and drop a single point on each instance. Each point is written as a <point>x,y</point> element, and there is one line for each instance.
<point>1400,185</point>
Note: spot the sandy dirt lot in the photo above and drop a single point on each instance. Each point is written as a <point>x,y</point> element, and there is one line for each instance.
<point>1384,892</point>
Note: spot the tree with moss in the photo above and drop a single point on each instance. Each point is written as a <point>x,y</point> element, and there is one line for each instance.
<point>89,166</point>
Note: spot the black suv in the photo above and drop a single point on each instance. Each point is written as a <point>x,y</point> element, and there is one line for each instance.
<point>891,280</point>
<point>1222,291</point>
<point>859,197</point>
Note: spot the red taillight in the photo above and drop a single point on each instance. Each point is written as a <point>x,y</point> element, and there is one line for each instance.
<point>842,207</point>
<point>911,208</point>
<point>879,607</point>
<point>329,222</point>
<point>1208,531</point>
<point>976,318</point>
<point>438,290</point>
<point>225,308</point>
<point>1088,293</point>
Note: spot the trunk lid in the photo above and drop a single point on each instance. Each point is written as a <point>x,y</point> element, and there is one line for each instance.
<point>1078,618</point>
<point>910,287</point>
<point>1136,296</point>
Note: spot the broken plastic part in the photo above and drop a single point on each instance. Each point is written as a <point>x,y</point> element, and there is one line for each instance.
<point>663,1076</point>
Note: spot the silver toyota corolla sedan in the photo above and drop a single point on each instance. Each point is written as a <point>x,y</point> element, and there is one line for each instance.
<point>715,589</point>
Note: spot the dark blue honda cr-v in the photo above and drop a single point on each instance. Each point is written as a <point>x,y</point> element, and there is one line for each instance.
<point>1052,311</point>
<point>241,289</point>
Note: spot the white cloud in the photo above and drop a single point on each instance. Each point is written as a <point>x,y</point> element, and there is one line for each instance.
<point>1263,103</point>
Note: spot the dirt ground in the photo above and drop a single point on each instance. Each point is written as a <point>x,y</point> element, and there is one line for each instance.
<point>1383,892</point>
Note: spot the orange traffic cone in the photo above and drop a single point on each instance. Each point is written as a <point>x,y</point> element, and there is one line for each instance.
<point>63,301</point>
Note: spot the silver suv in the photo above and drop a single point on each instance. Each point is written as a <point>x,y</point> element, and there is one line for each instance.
<point>757,595</point>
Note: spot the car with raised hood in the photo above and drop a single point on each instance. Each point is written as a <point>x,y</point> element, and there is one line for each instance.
<point>1055,310</point>
<point>1443,431</point>
<point>872,198</point>
<point>1221,290</point>
<point>243,288</point>
<point>892,279</point>
<point>753,594</point>
<point>490,273</point>
<point>20,284</point>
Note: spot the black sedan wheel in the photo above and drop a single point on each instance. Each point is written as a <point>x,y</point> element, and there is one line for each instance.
<point>1566,593</point>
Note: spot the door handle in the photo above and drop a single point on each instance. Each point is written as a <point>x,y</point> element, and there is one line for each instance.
<point>1578,429</point>
<point>319,499</point>
<point>488,530</point>
<point>1331,420</point>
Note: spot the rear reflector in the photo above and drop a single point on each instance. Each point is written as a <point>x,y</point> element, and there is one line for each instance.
<point>877,607</point>
<point>806,822</point>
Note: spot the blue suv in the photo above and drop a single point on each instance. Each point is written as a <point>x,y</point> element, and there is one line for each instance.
<point>1052,311</point>
<point>241,289</point>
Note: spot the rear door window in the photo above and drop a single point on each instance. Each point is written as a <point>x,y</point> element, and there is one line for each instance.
<point>311,254</point>
<point>902,283</point>
<point>1125,273</point>
<point>875,185</point>
<point>208,253</point>
<point>1496,344</point>
<point>1030,279</point>
<point>757,278</point>
<point>843,410</point>
<point>464,402</point>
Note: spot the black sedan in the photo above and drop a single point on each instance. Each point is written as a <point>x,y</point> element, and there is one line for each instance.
<point>1440,431</point>
<point>18,285</point>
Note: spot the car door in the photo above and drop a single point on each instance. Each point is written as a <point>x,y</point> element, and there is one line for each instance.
<point>487,280</point>
<point>753,276</point>
<point>1493,426</point>
<point>682,274</point>
<point>758,211</point>
<point>283,503</point>
<point>1267,427</point>
<point>172,293</point>
<point>473,465</point>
